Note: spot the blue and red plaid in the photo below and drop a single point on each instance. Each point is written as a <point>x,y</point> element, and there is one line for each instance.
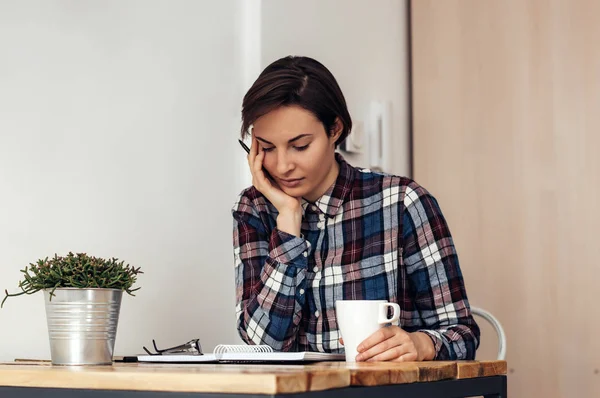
<point>371,236</point>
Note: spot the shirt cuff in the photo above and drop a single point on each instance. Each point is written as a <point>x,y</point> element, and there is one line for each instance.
<point>288,249</point>
<point>436,338</point>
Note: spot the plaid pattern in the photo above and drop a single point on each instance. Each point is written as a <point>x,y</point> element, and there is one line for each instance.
<point>371,236</point>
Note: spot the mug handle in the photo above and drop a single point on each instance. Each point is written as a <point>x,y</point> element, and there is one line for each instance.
<point>395,316</point>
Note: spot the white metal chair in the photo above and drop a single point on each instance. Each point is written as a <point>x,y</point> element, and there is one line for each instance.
<point>497,326</point>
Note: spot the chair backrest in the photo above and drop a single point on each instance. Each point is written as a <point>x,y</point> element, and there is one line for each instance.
<point>497,326</point>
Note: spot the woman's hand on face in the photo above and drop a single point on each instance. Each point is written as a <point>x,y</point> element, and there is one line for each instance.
<point>394,344</point>
<point>283,202</point>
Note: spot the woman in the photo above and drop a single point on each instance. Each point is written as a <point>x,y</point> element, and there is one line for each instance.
<point>313,229</point>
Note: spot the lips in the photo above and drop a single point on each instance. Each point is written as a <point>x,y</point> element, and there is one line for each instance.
<point>291,183</point>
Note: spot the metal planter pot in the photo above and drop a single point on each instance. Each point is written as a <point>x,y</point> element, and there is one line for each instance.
<point>82,325</point>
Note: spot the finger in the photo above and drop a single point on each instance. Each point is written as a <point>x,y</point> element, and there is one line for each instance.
<point>376,338</point>
<point>400,353</point>
<point>251,155</point>
<point>253,144</point>
<point>410,357</point>
<point>258,164</point>
<point>341,341</point>
<point>261,182</point>
<point>380,348</point>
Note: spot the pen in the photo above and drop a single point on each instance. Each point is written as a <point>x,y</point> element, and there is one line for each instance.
<point>244,146</point>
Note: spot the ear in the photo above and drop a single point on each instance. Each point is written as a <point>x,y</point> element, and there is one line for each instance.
<point>336,130</point>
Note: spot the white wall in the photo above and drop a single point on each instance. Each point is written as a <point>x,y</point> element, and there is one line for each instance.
<point>363,43</point>
<point>117,138</point>
<point>118,122</point>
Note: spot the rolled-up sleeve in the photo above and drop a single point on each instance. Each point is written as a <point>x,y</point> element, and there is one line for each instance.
<point>270,271</point>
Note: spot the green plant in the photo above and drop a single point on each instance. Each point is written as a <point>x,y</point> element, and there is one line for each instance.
<point>79,271</point>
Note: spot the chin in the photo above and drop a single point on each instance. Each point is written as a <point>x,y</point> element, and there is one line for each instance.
<point>295,192</point>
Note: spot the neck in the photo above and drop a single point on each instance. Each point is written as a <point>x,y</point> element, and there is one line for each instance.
<point>332,175</point>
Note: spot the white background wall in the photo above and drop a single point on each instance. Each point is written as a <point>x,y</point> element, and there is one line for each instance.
<point>117,127</point>
<point>118,122</point>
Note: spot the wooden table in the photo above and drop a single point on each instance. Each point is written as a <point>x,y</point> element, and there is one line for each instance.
<point>320,380</point>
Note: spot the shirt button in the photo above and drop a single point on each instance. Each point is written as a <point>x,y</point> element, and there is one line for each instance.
<point>305,254</point>
<point>317,314</point>
<point>301,291</point>
<point>316,269</point>
<point>315,208</point>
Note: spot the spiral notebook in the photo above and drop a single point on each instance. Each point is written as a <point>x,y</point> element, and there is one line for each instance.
<point>243,353</point>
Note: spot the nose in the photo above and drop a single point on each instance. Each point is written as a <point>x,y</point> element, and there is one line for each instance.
<point>284,163</point>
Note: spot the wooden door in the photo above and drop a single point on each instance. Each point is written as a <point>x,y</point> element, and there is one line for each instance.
<point>506,134</point>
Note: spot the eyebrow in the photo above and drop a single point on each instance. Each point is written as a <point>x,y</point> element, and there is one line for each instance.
<point>289,141</point>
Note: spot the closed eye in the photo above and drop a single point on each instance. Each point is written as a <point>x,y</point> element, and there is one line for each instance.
<point>297,148</point>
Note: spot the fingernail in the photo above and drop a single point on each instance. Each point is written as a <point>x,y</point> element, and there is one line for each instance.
<point>359,358</point>
<point>359,348</point>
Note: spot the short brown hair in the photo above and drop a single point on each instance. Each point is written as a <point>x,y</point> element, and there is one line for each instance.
<point>300,81</point>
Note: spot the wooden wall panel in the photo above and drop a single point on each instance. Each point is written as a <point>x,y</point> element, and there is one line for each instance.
<point>506,134</point>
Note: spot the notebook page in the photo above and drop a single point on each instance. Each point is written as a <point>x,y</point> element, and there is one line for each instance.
<point>206,358</point>
<point>243,353</point>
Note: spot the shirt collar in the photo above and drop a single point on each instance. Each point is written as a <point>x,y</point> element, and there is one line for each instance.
<point>331,201</point>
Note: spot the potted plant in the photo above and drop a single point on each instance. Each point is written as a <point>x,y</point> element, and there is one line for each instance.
<point>83,300</point>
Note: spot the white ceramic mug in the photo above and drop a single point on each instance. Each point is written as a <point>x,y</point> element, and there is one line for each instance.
<point>359,319</point>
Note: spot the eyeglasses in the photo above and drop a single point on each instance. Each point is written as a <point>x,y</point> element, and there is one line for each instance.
<point>192,347</point>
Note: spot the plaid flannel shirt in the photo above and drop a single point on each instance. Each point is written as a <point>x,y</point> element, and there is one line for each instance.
<point>371,236</point>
